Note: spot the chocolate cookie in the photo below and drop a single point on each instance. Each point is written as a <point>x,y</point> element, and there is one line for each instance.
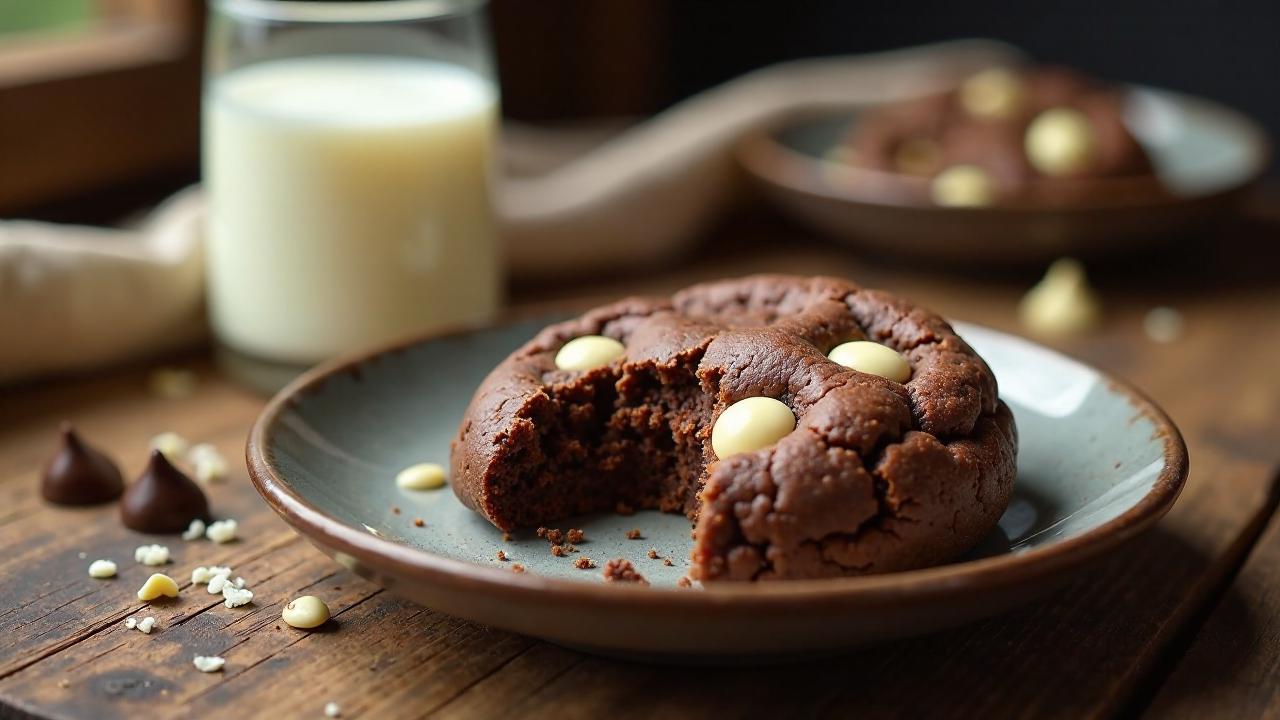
<point>861,473</point>
<point>1041,136</point>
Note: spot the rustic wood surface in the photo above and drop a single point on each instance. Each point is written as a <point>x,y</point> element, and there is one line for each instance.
<point>1171,624</point>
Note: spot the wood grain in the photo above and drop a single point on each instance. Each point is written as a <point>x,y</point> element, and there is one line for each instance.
<point>1105,645</point>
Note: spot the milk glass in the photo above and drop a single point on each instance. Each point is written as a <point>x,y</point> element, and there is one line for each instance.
<point>348,152</point>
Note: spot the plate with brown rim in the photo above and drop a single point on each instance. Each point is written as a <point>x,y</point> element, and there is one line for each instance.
<point>1098,463</point>
<point>1206,156</point>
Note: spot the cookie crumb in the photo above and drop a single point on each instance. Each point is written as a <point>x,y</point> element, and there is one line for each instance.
<point>624,509</point>
<point>395,509</point>
<point>684,581</point>
<point>517,568</point>
<point>554,536</point>
<point>653,554</point>
<point>502,556</point>
<point>542,532</point>
<point>506,537</point>
<point>575,536</point>
<point>634,534</point>
<point>332,710</point>
<point>667,562</point>
<point>621,570</point>
<point>559,550</point>
<point>419,522</point>
<point>64,683</point>
<point>583,563</point>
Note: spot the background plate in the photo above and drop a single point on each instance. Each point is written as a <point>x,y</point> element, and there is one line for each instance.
<point>1205,155</point>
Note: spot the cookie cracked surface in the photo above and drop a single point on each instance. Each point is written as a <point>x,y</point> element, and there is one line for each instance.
<point>877,476</point>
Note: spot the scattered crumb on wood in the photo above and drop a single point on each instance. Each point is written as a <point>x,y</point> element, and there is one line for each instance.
<point>621,570</point>
<point>502,556</point>
<point>624,509</point>
<point>64,683</point>
<point>634,534</point>
<point>684,581</point>
<point>583,563</point>
<point>575,536</point>
<point>419,522</point>
<point>653,554</point>
<point>517,568</point>
<point>559,550</point>
<point>667,562</point>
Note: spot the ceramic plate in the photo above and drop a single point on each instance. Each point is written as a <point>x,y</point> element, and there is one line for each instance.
<point>1205,156</point>
<point>1097,464</point>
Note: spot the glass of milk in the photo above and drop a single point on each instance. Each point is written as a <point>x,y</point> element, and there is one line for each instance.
<point>348,152</point>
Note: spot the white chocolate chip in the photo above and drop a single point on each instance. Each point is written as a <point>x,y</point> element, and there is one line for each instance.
<point>872,358</point>
<point>1163,324</point>
<point>751,424</point>
<point>1062,303</point>
<point>993,93</point>
<point>151,554</point>
<point>157,586</point>
<point>102,569</point>
<point>1060,141</point>
<point>203,575</point>
<point>210,466</point>
<point>145,624</point>
<point>235,597</point>
<point>221,531</point>
<point>423,476</point>
<point>131,623</point>
<point>217,583</point>
<point>194,531</point>
<point>589,351</point>
<point>170,444</point>
<point>306,612</point>
<point>331,710</point>
<point>211,663</point>
<point>172,383</point>
<point>963,186</point>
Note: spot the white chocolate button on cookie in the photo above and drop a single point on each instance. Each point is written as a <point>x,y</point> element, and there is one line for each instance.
<point>1060,142</point>
<point>963,186</point>
<point>588,351</point>
<point>993,93</point>
<point>872,358</point>
<point>751,424</point>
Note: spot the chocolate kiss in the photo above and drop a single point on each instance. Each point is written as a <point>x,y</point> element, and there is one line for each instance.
<point>78,474</point>
<point>162,499</point>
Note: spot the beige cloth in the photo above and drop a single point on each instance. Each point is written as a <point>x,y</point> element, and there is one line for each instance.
<point>76,297</point>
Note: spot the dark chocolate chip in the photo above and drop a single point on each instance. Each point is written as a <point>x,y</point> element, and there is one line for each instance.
<point>163,499</point>
<point>78,474</point>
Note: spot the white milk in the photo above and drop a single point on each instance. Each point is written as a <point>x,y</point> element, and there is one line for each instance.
<point>350,203</point>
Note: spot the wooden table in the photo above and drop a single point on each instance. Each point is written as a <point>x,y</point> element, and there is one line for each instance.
<point>1184,622</point>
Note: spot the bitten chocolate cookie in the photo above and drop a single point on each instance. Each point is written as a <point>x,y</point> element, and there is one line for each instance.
<point>810,428</point>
